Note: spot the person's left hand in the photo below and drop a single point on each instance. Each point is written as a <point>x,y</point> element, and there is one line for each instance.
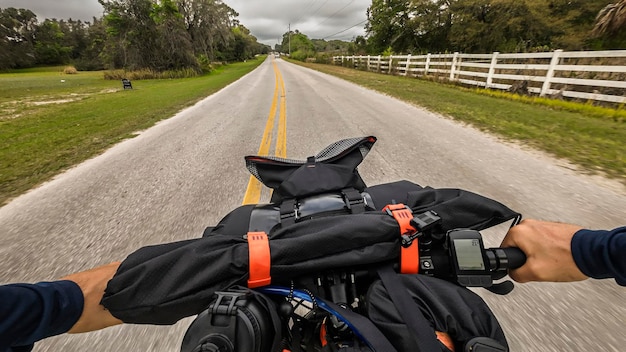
<point>93,282</point>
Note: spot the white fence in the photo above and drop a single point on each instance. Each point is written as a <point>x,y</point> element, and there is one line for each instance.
<point>586,75</point>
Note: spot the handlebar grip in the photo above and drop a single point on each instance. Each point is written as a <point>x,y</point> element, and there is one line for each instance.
<point>515,257</point>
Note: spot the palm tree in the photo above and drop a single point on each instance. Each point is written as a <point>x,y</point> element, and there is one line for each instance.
<point>610,19</point>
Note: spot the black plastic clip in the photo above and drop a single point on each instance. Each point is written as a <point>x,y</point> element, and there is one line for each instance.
<point>225,302</point>
<point>422,222</point>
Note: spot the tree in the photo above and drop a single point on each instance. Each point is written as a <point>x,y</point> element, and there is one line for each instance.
<point>75,37</point>
<point>146,34</point>
<point>408,26</point>
<point>90,58</point>
<point>210,24</point>
<point>388,25</point>
<point>301,46</point>
<point>17,28</point>
<point>571,22</point>
<point>49,48</point>
<point>611,19</point>
<point>360,45</point>
<point>173,40</point>
<point>497,25</point>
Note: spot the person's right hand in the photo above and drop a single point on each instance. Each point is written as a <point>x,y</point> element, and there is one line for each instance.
<point>548,250</point>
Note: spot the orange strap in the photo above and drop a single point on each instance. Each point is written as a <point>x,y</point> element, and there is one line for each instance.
<point>409,256</point>
<point>445,339</point>
<point>259,259</point>
<point>323,333</point>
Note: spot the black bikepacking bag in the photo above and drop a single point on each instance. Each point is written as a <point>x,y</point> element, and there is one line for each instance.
<point>440,306</point>
<point>164,283</point>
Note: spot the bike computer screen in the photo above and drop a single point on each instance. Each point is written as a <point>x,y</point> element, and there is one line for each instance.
<point>469,254</point>
<point>466,251</point>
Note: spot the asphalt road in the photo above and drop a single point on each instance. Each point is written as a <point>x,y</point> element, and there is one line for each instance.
<point>174,179</point>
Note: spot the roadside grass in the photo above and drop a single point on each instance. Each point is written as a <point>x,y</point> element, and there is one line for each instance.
<point>591,137</point>
<point>47,126</point>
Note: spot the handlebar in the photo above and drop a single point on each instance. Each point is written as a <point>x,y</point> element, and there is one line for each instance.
<point>502,259</point>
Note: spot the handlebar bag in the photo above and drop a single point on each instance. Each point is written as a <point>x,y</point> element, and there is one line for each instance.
<point>446,307</point>
<point>334,168</point>
<point>164,283</point>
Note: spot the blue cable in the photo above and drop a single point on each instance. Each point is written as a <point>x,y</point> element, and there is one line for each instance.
<point>286,292</point>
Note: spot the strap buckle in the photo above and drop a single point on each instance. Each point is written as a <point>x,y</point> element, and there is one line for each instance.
<point>409,255</point>
<point>403,215</point>
<point>354,200</point>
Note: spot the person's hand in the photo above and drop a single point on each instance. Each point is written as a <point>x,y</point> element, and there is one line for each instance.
<point>93,283</point>
<point>548,250</point>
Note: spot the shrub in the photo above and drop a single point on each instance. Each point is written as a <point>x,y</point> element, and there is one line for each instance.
<point>70,70</point>
<point>323,58</point>
<point>301,55</point>
<point>150,74</point>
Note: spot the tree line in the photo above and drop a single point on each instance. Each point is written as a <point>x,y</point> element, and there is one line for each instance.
<point>474,26</point>
<point>483,26</point>
<point>132,34</point>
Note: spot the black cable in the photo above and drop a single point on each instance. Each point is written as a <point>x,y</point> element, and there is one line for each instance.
<point>332,35</point>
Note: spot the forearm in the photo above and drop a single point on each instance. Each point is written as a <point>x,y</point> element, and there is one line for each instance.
<point>601,254</point>
<point>92,284</point>
<point>31,312</point>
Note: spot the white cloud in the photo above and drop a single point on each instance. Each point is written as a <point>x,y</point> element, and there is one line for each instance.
<point>83,10</point>
<point>268,20</point>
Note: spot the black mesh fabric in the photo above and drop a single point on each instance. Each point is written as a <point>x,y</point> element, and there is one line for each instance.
<point>334,168</point>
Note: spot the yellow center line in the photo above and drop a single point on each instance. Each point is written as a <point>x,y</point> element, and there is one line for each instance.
<point>253,192</point>
<point>281,142</point>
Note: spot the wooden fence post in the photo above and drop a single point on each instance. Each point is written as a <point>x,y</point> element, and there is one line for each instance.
<point>368,63</point>
<point>390,64</point>
<point>452,68</point>
<point>492,69</point>
<point>427,67</point>
<point>407,68</point>
<point>556,58</point>
<point>380,60</point>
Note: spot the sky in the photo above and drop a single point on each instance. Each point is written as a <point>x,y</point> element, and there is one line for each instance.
<point>268,20</point>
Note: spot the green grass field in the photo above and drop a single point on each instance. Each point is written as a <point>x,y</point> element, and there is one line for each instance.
<point>47,125</point>
<point>594,138</point>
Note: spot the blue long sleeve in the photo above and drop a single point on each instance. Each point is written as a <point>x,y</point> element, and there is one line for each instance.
<point>31,312</point>
<point>601,254</point>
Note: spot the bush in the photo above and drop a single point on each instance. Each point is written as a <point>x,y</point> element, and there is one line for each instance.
<point>150,74</point>
<point>323,58</point>
<point>301,55</point>
<point>89,65</point>
<point>70,70</point>
<point>205,64</point>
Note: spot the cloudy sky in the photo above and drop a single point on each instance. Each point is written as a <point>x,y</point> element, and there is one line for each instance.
<point>267,19</point>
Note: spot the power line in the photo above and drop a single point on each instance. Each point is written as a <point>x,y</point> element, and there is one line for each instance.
<point>304,12</point>
<point>332,35</point>
<point>319,8</point>
<point>336,12</point>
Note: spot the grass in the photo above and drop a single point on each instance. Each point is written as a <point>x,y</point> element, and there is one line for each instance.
<point>594,138</point>
<point>47,125</point>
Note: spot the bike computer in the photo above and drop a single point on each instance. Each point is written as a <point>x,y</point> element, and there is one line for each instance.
<point>469,262</point>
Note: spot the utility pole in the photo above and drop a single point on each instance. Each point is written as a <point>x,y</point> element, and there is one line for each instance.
<point>290,39</point>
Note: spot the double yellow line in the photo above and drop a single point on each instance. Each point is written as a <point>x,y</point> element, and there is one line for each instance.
<point>253,192</point>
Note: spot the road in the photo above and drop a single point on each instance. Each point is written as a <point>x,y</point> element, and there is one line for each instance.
<point>174,179</point>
